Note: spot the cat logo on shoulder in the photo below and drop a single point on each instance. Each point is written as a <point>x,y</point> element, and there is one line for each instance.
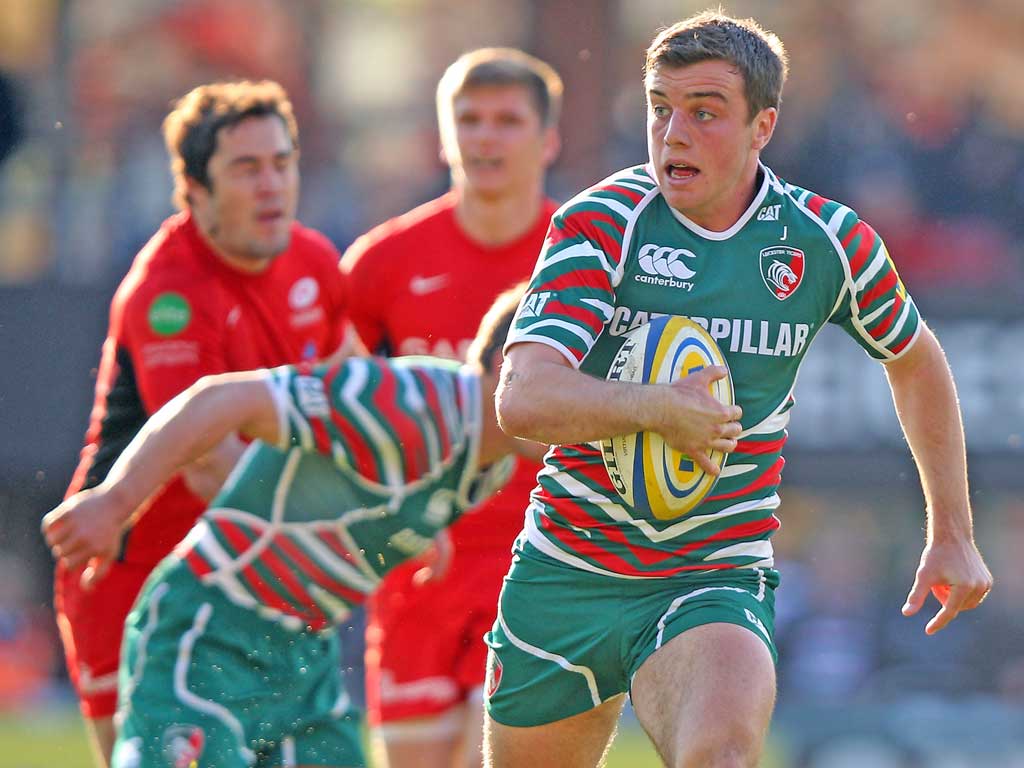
<point>782,269</point>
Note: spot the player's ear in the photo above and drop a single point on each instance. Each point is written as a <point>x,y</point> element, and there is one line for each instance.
<point>764,127</point>
<point>552,145</point>
<point>196,192</point>
<point>497,358</point>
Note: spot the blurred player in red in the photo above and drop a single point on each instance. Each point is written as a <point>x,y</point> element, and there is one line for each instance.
<point>230,283</point>
<point>419,284</point>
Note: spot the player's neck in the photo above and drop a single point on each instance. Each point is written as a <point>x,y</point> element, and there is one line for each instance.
<point>250,265</point>
<point>494,221</point>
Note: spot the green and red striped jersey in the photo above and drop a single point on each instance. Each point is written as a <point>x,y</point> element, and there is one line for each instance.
<point>616,256</point>
<point>376,457</point>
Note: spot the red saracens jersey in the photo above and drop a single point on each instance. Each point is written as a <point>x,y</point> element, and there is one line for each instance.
<point>420,286</point>
<point>181,313</point>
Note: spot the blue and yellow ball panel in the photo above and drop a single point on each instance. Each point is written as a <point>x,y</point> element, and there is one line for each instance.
<point>651,477</point>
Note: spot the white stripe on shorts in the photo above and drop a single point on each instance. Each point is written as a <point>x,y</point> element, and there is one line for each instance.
<point>152,617</point>
<point>683,598</point>
<point>540,653</point>
<point>189,699</point>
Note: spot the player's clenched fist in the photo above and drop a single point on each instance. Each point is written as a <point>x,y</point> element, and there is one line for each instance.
<point>84,526</point>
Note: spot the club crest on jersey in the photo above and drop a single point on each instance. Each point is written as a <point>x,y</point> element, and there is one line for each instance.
<point>183,745</point>
<point>782,269</point>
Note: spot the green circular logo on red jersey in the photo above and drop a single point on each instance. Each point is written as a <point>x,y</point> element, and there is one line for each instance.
<point>169,314</point>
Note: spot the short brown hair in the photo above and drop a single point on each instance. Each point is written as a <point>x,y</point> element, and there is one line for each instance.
<point>191,128</point>
<point>758,54</point>
<point>502,66</point>
<point>494,327</point>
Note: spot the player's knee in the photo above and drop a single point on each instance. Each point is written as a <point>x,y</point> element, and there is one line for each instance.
<point>730,745</point>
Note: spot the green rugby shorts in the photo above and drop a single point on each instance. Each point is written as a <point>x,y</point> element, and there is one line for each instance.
<point>565,640</point>
<point>206,682</point>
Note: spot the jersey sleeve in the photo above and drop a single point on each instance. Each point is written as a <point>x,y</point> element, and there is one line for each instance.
<point>303,406</point>
<point>876,311</point>
<point>173,336</point>
<point>572,291</point>
<point>366,307</point>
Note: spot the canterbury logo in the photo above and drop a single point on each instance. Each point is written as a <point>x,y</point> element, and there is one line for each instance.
<point>665,261</point>
<point>781,276</point>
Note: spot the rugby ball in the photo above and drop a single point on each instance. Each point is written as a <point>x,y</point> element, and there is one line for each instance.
<point>651,477</point>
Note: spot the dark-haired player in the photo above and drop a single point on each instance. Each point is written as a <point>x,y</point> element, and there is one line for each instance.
<point>230,283</point>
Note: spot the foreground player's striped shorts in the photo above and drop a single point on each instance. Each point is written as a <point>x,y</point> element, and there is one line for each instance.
<point>565,639</point>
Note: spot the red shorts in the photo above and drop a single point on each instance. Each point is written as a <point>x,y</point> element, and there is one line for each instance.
<point>424,644</point>
<point>91,624</point>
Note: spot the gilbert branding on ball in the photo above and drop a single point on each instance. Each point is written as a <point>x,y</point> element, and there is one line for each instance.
<point>650,476</point>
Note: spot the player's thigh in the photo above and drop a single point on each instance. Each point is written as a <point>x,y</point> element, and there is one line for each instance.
<point>416,753</point>
<point>100,731</point>
<point>706,695</point>
<point>470,752</point>
<point>575,742</point>
<point>453,739</point>
<point>411,742</point>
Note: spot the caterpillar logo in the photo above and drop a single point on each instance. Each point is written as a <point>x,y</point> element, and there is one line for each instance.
<point>664,265</point>
<point>748,336</point>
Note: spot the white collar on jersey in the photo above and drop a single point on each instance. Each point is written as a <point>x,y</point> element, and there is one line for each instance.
<point>708,234</point>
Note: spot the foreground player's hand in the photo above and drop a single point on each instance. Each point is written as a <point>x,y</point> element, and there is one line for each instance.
<point>956,574</point>
<point>87,525</point>
<point>695,422</point>
<point>436,560</point>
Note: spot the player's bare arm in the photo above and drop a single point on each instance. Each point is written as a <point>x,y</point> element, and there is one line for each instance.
<point>951,566</point>
<point>205,476</point>
<point>89,524</point>
<point>542,398</point>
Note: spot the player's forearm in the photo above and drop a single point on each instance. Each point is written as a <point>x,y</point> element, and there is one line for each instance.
<point>926,402</point>
<point>186,428</point>
<point>554,404</point>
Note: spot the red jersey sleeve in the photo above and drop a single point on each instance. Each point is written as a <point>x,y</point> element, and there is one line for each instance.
<point>173,330</point>
<point>367,306</point>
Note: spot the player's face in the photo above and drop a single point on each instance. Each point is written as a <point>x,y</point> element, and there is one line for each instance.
<point>495,143</point>
<point>254,189</point>
<point>703,146</point>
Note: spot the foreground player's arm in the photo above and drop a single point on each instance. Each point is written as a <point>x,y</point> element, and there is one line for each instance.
<point>89,524</point>
<point>205,476</point>
<point>541,397</point>
<point>951,566</point>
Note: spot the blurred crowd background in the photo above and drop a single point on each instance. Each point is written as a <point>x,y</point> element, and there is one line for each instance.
<point>912,113</point>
